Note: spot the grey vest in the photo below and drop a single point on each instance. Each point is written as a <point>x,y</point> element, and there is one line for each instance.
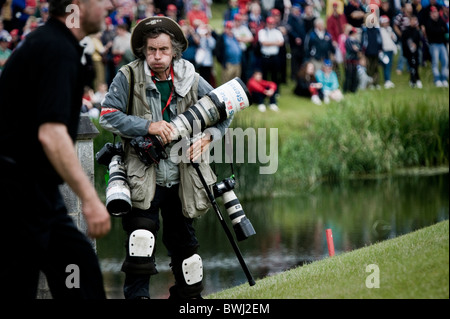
<point>142,178</point>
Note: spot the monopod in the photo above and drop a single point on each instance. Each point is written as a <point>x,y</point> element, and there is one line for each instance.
<point>212,199</point>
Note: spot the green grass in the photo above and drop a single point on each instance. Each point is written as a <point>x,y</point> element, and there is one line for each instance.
<point>412,266</point>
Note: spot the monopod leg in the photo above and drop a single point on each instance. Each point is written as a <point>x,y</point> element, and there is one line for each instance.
<point>250,279</point>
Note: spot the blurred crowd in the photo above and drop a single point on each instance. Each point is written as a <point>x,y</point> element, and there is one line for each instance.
<point>327,48</point>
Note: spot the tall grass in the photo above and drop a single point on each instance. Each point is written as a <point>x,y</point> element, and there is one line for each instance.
<point>350,140</point>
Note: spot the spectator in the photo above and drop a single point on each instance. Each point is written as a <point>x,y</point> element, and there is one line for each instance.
<point>354,13</point>
<point>386,9</point>
<point>15,39</point>
<point>411,43</point>
<point>280,25</point>
<point>436,33</point>
<point>260,90</point>
<point>341,50</point>
<point>318,44</point>
<point>401,23</point>
<point>231,11</point>
<point>86,60</point>
<point>424,14</point>
<point>352,52</point>
<point>162,6</point>
<point>389,39</point>
<point>88,103</point>
<point>308,18</point>
<point>271,39</point>
<point>364,80</point>
<point>372,46</point>
<point>296,33</point>
<point>330,84</point>
<point>307,84</point>
<point>100,94</point>
<point>204,60</point>
<point>229,53</point>
<point>245,38</point>
<point>107,39</point>
<point>120,45</point>
<point>21,11</point>
<point>97,59</point>
<point>196,15</point>
<point>5,53</point>
<point>172,12</point>
<point>255,23</point>
<point>193,40</point>
<point>336,24</point>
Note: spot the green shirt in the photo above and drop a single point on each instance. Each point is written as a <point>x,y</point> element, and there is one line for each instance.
<point>165,88</point>
<point>4,55</point>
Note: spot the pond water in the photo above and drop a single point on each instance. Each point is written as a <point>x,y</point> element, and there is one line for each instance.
<point>291,230</point>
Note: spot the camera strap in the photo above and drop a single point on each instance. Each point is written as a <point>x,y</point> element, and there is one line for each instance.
<point>130,90</point>
<point>172,75</point>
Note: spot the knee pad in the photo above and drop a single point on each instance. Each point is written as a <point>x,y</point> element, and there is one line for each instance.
<point>141,243</point>
<point>192,268</point>
<point>140,246</point>
<point>188,274</point>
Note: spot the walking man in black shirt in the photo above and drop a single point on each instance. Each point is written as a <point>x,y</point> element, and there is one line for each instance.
<point>41,90</point>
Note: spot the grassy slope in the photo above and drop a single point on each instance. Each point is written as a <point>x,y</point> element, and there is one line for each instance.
<point>415,265</point>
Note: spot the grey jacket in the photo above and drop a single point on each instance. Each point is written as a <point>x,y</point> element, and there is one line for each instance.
<point>189,87</point>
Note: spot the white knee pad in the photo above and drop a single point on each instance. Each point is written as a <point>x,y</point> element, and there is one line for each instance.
<point>141,243</point>
<point>192,269</point>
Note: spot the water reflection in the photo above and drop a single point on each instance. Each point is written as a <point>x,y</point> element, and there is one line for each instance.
<point>291,230</point>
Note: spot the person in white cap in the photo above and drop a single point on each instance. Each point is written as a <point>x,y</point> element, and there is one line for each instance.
<point>164,85</point>
<point>389,39</point>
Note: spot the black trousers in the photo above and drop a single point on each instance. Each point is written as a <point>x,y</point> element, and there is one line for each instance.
<point>38,235</point>
<point>351,77</point>
<point>413,62</point>
<point>271,69</point>
<point>178,237</point>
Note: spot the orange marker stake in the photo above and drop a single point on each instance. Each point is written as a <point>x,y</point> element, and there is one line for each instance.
<point>330,242</point>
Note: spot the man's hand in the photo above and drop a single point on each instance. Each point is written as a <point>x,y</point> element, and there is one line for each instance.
<point>163,129</point>
<point>97,218</point>
<point>60,151</point>
<point>198,148</point>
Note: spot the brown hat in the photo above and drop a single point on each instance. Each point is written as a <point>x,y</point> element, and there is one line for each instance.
<point>145,25</point>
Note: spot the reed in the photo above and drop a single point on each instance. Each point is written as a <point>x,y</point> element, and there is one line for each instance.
<point>350,140</point>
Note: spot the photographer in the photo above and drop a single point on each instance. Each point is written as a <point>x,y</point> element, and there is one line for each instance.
<point>164,85</point>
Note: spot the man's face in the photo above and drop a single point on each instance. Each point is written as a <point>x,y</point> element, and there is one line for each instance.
<point>159,53</point>
<point>434,15</point>
<point>93,13</point>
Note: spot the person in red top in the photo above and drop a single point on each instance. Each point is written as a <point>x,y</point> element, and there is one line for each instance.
<point>196,13</point>
<point>336,24</point>
<point>260,90</point>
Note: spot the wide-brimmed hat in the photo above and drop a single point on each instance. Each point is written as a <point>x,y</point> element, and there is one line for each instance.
<point>146,25</point>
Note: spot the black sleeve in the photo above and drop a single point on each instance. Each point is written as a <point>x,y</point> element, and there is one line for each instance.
<point>58,78</point>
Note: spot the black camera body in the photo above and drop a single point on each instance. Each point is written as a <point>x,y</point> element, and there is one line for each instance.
<point>224,186</point>
<point>242,226</point>
<point>149,149</point>
<point>105,155</point>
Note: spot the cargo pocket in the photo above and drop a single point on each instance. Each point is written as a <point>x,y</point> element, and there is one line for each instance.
<point>193,195</point>
<point>142,182</point>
